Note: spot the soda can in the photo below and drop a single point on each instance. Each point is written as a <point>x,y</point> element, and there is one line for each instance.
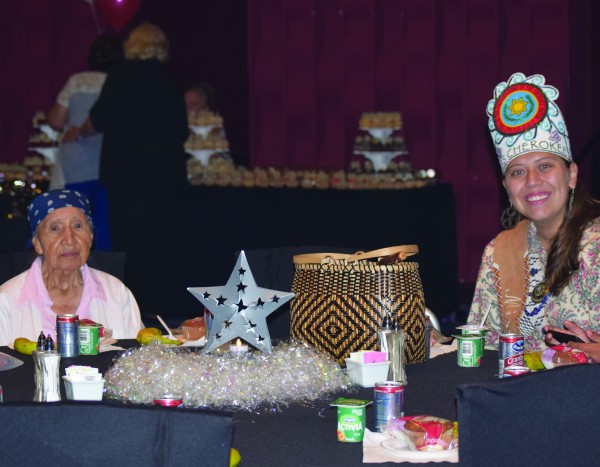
<point>515,371</point>
<point>511,352</point>
<point>389,403</point>
<point>469,350</point>
<point>67,333</point>
<point>89,339</point>
<point>168,400</point>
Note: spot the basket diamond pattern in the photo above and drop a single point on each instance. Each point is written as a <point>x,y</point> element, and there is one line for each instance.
<point>339,307</point>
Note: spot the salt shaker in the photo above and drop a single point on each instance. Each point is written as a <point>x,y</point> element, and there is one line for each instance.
<point>47,376</point>
<point>396,340</point>
<point>382,333</point>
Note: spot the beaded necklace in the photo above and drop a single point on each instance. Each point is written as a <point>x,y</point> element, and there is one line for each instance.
<point>538,308</point>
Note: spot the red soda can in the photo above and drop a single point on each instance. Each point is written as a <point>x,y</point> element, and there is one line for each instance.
<point>168,400</point>
<point>511,351</point>
<point>389,403</point>
<point>515,371</point>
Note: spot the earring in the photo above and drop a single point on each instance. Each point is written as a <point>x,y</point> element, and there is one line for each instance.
<point>510,217</point>
<point>571,200</point>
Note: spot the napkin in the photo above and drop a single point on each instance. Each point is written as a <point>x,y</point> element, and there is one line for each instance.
<point>107,345</point>
<point>8,362</point>
<point>374,452</point>
<point>440,349</point>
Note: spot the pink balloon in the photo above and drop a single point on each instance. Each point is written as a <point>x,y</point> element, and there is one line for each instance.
<point>118,13</point>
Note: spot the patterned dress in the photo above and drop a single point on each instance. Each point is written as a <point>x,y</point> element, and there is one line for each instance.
<point>579,301</point>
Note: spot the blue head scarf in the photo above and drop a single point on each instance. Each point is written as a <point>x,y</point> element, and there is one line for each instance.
<point>44,204</point>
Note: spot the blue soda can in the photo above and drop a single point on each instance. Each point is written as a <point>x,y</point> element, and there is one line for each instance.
<point>389,403</point>
<point>67,333</point>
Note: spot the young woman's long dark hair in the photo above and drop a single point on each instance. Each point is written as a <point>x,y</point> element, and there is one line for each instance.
<point>563,255</point>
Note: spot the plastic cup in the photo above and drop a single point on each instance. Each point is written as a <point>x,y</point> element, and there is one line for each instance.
<point>351,419</point>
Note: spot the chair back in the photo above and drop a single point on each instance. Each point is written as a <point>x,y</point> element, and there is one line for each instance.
<point>544,418</point>
<point>93,434</point>
<point>14,234</point>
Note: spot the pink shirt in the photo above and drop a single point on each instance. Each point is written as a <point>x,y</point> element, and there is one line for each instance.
<point>35,291</point>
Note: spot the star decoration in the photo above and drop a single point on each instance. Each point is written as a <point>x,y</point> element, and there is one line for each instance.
<point>240,312</point>
<point>221,300</point>
<point>518,106</point>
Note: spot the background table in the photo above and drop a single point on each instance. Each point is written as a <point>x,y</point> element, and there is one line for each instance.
<point>219,222</point>
<point>302,434</point>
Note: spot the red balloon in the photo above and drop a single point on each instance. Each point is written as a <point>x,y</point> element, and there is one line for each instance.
<point>118,13</point>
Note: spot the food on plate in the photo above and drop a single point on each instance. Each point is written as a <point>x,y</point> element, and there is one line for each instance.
<point>148,335</point>
<point>533,360</point>
<point>560,355</point>
<point>192,329</point>
<point>24,345</point>
<point>424,432</point>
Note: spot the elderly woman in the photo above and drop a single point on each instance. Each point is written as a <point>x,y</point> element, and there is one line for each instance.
<point>544,269</point>
<point>142,114</point>
<point>59,281</point>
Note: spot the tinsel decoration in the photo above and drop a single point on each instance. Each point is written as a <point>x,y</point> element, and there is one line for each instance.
<point>252,381</point>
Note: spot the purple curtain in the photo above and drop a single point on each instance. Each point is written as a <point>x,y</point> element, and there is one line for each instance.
<point>43,42</point>
<point>315,66</point>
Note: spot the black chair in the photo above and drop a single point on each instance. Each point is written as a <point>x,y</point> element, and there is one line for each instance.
<point>14,234</point>
<point>273,268</point>
<point>545,418</point>
<point>15,262</point>
<point>87,434</point>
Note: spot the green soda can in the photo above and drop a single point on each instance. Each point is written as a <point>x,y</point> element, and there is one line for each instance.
<point>351,418</point>
<point>89,339</point>
<point>469,350</point>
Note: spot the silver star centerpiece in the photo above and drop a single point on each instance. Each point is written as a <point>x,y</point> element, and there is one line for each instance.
<point>240,308</point>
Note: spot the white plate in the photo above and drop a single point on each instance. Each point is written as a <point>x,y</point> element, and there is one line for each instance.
<point>197,343</point>
<point>400,449</point>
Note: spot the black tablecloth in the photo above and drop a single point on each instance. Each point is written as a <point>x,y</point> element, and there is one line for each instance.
<point>219,222</point>
<point>303,434</point>
<point>223,221</point>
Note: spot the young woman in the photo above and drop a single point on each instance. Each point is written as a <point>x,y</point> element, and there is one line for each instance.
<point>544,268</point>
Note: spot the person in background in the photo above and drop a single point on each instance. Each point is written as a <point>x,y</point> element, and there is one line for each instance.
<point>200,97</point>
<point>142,114</point>
<point>78,161</point>
<point>59,280</point>
<point>544,269</point>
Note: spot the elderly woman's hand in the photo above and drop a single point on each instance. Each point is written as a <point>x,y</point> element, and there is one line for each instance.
<point>71,135</point>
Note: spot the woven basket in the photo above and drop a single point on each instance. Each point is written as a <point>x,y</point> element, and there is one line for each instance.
<point>340,300</point>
